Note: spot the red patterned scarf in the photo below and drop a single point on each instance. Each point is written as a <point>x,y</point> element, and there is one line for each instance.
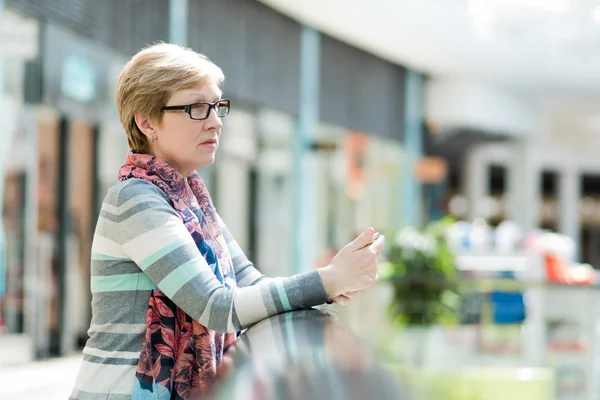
<point>179,356</point>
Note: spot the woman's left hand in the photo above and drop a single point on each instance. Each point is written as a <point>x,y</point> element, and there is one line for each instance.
<point>345,298</point>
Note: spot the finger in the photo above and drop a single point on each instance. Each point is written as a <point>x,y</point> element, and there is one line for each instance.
<point>348,295</point>
<point>363,240</point>
<point>341,299</point>
<point>378,245</point>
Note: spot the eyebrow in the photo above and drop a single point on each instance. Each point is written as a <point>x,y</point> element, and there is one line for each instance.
<point>200,97</point>
<point>204,99</point>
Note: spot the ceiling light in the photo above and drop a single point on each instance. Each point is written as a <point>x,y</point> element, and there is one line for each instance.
<point>484,14</point>
<point>481,13</point>
<point>596,15</point>
<point>547,5</point>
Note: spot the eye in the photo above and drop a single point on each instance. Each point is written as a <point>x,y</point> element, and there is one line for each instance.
<point>199,106</point>
<point>199,111</point>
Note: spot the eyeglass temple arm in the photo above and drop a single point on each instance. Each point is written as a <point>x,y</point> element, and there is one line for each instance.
<point>176,108</point>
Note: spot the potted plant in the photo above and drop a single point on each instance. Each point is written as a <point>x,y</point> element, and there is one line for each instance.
<point>421,270</point>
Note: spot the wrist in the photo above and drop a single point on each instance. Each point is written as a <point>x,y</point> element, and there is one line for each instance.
<point>330,283</point>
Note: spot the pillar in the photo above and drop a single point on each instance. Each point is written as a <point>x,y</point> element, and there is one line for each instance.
<point>475,184</point>
<point>411,196</point>
<point>524,185</point>
<point>569,193</point>
<point>304,207</point>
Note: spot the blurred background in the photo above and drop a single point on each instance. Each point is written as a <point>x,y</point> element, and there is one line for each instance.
<point>466,131</point>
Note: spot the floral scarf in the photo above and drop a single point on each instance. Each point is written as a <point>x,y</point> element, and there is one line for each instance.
<point>179,357</point>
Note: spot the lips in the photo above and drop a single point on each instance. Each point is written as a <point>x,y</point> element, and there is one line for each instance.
<point>210,141</point>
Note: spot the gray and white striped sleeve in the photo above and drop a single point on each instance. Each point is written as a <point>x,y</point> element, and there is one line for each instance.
<point>246,273</point>
<point>155,238</point>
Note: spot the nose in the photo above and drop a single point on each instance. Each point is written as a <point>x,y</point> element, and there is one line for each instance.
<point>213,122</point>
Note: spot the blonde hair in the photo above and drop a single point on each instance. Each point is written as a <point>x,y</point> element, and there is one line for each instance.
<point>150,78</point>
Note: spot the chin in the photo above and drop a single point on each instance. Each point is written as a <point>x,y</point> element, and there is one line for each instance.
<point>206,162</point>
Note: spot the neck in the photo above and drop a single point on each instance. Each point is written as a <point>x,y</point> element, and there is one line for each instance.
<point>184,172</point>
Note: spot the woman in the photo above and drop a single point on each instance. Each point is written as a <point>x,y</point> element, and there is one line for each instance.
<point>170,286</point>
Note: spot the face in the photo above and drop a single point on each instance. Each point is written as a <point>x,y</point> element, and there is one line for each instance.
<point>185,143</point>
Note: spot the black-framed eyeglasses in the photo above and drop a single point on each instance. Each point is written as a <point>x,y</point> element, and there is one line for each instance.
<point>201,110</point>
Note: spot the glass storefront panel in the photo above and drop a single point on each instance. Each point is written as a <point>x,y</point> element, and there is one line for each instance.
<point>357,185</point>
<point>44,274</point>
<point>19,205</point>
<point>382,199</point>
<point>327,156</point>
<point>274,198</point>
<point>112,152</point>
<point>79,231</point>
<point>12,186</point>
<point>12,313</point>
<point>39,290</point>
<point>235,166</point>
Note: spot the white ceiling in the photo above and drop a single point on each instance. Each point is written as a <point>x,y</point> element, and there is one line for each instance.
<point>539,47</point>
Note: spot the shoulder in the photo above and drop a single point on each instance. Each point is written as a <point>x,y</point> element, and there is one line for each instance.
<point>135,206</point>
<point>134,189</point>
<point>135,196</point>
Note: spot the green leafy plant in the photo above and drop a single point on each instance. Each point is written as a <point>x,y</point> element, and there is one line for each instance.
<point>422,271</point>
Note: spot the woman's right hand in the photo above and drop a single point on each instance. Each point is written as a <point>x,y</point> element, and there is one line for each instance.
<point>355,267</point>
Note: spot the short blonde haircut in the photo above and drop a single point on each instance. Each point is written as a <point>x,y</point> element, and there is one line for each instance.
<point>151,77</point>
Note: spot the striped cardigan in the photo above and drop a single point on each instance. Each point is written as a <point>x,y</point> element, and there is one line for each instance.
<point>140,242</point>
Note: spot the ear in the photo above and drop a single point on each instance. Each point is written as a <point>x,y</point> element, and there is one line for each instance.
<point>145,125</point>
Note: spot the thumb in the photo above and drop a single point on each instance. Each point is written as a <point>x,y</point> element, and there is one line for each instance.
<point>364,239</point>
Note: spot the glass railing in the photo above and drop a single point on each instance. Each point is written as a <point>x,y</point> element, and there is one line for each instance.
<point>510,339</point>
<point>306,354</point>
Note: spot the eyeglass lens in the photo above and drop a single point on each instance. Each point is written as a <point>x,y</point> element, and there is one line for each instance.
<point>202,111</point>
